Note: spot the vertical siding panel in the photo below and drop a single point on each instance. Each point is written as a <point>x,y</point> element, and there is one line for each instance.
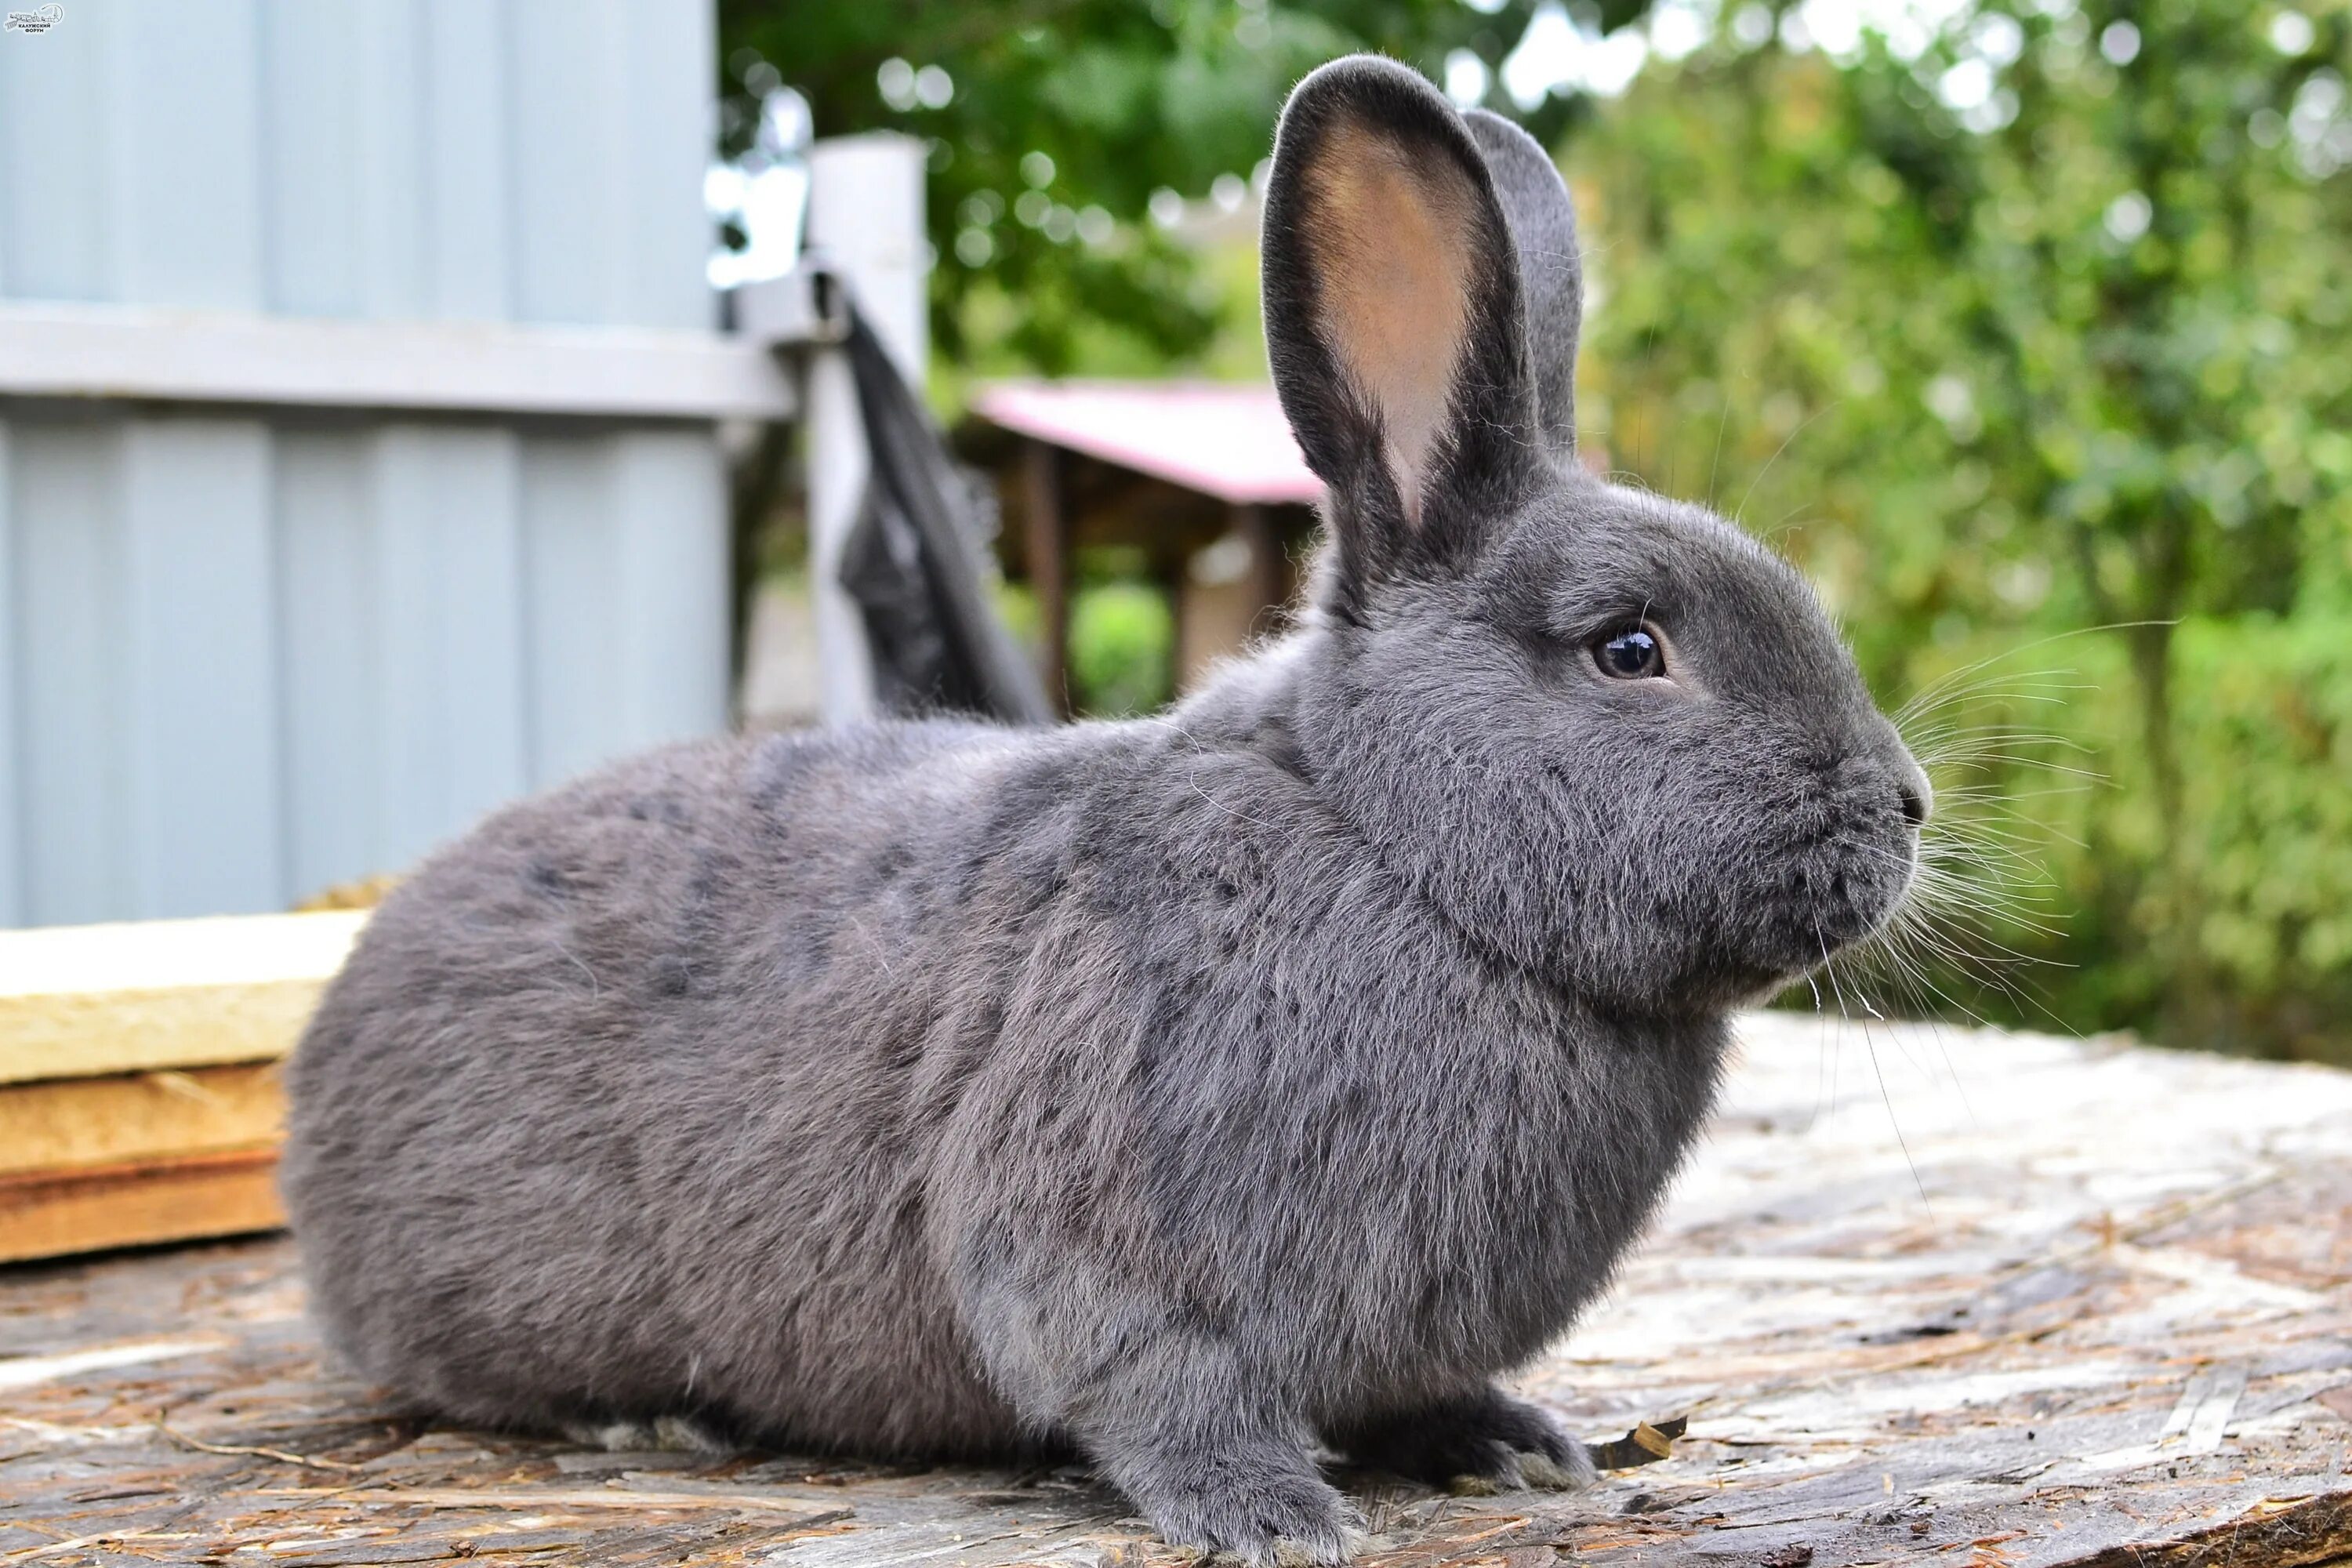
<point>326,616</point>
<point>201,710</point>
<point>55,127</point>
<point>567,497</point>
<point>670,527</point>
<point>485,716</point>
<point>469,160</point>
<point>310,195</point>
<point>410,680</point>
<point>12,670</point>
<point>184,174</point>
<point>667,131</point>
<point>200,715</point>
<point>65,513</point>
<point>450,692</point>
<point>390,163</point>
<point>567,85</point>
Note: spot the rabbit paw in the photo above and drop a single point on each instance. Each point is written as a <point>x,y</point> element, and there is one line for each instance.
<point>1274,1519</point>
<point>671,1434</point>
<point>1488,1442</point>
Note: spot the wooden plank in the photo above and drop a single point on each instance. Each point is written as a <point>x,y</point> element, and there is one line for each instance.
<point>78,1123</point>
<point>1048,551</point>
<point>80,1001</point>
<point>46,1214</point>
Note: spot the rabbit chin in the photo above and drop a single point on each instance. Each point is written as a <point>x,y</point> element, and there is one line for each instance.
<point>1836,906</point>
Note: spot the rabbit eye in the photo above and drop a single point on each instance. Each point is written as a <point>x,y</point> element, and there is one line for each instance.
<point>1631,653</point>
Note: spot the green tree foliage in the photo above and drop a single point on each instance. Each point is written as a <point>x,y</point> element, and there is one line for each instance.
<point>1055,120</point>
<point>2044,330</point>
<point>1122,637</point>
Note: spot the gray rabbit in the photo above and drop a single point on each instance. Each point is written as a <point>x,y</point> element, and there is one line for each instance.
<point>1186,1092</point>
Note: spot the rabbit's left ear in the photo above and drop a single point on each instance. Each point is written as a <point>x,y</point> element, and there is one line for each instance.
<point>1542,216</point>
<point>1394,318</point>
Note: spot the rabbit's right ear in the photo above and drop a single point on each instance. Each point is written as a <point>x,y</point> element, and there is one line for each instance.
<point>1394,320</point>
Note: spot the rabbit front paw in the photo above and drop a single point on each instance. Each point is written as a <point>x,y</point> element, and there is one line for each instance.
<point>1261,1501</point>
<point>1269,1521</point>
<point>1488,1441</point>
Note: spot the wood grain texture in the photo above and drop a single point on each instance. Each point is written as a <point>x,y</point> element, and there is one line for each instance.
<point>2107,1259</point>
<point>70,1123</point>
<point>84,1001</point>
<point>53,1213</point>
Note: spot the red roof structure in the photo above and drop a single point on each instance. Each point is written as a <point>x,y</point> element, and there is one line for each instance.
<point>1224,439</point>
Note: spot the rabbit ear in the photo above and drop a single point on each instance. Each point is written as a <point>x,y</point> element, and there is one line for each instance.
<point>1394,317</point>
<point>1551,270</point>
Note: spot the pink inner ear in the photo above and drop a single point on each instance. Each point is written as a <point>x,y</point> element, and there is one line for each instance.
<point>1390,240</point>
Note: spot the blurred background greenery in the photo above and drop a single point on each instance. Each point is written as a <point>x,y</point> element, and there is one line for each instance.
<point>2025,328</point>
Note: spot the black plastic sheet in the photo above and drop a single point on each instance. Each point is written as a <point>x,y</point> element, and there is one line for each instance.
<point>914,562</point>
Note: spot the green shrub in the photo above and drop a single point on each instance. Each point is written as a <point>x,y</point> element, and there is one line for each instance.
<point>1122,649</point>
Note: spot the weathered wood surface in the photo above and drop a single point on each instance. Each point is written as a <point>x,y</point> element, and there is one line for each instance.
<point>2115,1329</point>
<point>59,1214</point>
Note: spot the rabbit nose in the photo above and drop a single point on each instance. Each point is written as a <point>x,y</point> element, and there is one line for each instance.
<point>1918,796</point>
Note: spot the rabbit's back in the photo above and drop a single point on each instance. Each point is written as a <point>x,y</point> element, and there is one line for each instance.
<point>614,1100</point>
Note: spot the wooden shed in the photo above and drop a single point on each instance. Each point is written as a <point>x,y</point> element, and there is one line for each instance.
<point>1203,476</point>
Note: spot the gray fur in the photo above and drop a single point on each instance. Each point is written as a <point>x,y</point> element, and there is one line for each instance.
<point>1184,1092</point>
<point>1551,264</point>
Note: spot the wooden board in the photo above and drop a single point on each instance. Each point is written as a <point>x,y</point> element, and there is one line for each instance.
<point>2099,1315</point>
<point>79,1001</point>
<point>45,1213</point>
<point>70,1123</point>
<point>131,1159</point>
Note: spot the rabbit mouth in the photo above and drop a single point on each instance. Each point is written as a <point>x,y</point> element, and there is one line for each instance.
<point>1824,906</point>
<point>1840,900</point>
